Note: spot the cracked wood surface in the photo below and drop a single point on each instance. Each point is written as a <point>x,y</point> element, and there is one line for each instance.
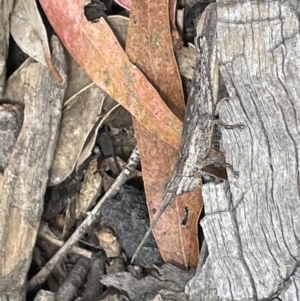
<point>24,181</point>
<point>251,223</point>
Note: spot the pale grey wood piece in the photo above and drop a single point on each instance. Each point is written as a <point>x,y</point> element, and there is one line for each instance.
<point>226,270</point>
<point>169,281</point>
<point>292,293</point>
<point>252,226</point>
<point>25,179</point>
<point>5,10</point>
<point>11,119</point>
<point>17,295</point>
<point>43,295</point>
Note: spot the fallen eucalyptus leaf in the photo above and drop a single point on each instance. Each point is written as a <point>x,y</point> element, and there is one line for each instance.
<point>149,46</point>
<point>77,122</point>
<point>186,56</point>
<point>77,79</point>
<point>119,25</point>
<point>98,52</point>
<point>88,148</point>
<point>28,31</point>
<point>124,3</point>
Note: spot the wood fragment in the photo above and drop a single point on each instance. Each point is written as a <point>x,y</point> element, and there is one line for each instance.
<point>45,233</point>
<point>168,278</point>
<point>25,179</point>
<point>93,287</point>
<point>251,225</point>
<point>74,281</point>
<point>11,119</point>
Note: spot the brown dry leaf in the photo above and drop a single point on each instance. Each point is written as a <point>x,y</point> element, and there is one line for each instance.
<point>27,29</point>
<point>83,107</point>
<point>185,56</point>
<point>97,51</point>
<point>109,108</point>
<point>85,110</point>
<point>108,242</point>
<point>77,122</point>
<point>149,46</point>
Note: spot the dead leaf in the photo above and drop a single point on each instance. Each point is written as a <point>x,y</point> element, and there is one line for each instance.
<point>79,119</point>
<point>124,3</point>
<point>76,124</point>
<point>108,103</point>
<point>97,51</point>
<point>27,29</point>
<point>119,25</point>
<point>84,113</point>
<point>108,242</point>
<point>149,46</point>
<point>78,80</point>
<point>185,56</point>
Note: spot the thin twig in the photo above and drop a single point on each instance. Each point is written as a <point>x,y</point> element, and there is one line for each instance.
<point>45,233</point>
<point>83,228</point>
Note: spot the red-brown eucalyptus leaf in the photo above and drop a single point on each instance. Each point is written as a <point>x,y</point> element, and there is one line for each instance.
<point>124,3</point>
<point>176,38</point>
<point>149,46</point>
<point>97,51</point>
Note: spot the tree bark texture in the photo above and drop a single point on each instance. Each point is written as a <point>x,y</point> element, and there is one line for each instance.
<point>25,179</point>
<point>11,120</point>
<point>252,223</point>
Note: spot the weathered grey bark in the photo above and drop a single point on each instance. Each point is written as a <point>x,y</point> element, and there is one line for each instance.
<point>169,281</point>
<point>25,179</point>
<point>252,223</point>
<point>11,120</point>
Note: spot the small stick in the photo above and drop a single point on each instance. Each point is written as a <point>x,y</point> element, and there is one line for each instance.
<point>42,275</point>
